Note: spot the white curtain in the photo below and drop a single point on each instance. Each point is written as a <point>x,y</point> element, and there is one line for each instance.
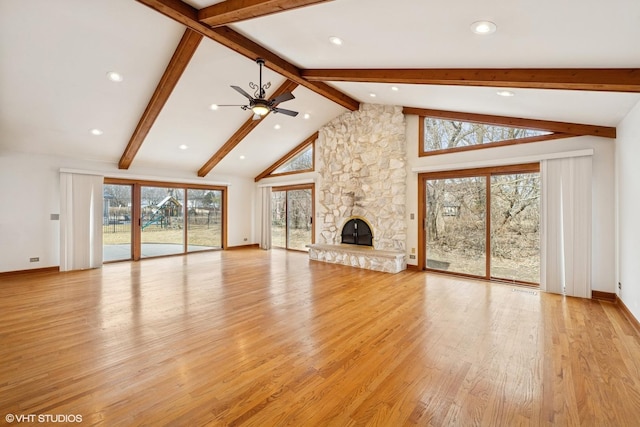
<point>81,201</point>
<point>265,233</point>
<point>566,226</point>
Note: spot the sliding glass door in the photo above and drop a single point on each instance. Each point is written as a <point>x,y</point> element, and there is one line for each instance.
<point>162,221</point>
<point>145,219</point>
<point>204,226</point>
<point>456,225</point>
<point>292,217</point>
<point>483,223</point>
<point>515,227</point>
<point>116,222</point>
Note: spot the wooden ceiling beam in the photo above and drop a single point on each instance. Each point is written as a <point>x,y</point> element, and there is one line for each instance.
<point>231,11</point>
<point>592,79</point>
<point>545,125</point>
<point>179,61</point>
<point>188,16</point>
<point>242,132</point>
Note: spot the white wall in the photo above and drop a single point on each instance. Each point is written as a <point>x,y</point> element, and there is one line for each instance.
<point>30,190</point>
<point>29,185</point>
<point>628,191</point>
<point>603,237</point>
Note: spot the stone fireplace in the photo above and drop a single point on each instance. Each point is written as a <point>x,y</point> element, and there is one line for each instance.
<point>361,159</point>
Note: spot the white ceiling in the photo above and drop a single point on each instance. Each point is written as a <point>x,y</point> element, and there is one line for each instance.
<point>54,56</point>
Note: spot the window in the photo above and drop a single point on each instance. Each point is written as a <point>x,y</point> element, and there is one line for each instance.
<point>298,160</point>
<point>301,162</point>
<point>439,136</point>
<point>483,223</point>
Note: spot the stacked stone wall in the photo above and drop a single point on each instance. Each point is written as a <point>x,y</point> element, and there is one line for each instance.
<point>363,169</point>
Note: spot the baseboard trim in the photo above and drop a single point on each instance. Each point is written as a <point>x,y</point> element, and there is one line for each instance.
<point>412,267</point>
<point>604,296</point>
<point>251,246</point>
<point>55,269</point>
<point>630,317</point>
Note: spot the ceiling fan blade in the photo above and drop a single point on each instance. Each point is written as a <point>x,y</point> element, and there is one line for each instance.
<point>284,111</point>
<point>242,92</point>
<point>282,98</point>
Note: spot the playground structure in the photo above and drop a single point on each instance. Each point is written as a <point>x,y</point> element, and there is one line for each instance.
<point>162,213</point>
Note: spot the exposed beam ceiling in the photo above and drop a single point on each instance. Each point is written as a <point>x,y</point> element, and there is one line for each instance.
<point>591,79</point>
<point>179,61</point>
<point>231,11</point>
<point>566,128</point>
<point>188,16</point>
<point>242,132</point>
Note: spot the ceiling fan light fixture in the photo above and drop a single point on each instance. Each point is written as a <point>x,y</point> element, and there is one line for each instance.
<point>259,105</point>
<point>260,109</point>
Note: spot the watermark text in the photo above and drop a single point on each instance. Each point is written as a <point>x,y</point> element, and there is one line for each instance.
<point>43,418</point>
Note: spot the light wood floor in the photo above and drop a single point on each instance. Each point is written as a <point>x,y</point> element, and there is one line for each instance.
<point>259,338</point>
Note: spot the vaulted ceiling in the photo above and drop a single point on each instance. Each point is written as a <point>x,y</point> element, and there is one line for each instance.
<point>574,61</point>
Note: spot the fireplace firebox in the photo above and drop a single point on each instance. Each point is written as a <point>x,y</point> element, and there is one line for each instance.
<point>357,232</point>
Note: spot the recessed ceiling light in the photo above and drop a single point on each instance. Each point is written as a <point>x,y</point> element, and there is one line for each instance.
<point>276,127</point>
<point>505,93</point>
<point>96,132</point>
<point>336,40</point>
<point>483,27</point>
<point>373,95</point>
<point>394,88</point>
<point>114,76</point>
<point>242,157</point>
<point>213,107</point>
<point>183,146</point>
<point>307,116</point>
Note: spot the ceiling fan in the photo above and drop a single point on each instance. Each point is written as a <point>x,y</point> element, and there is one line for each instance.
<point>258,104</point>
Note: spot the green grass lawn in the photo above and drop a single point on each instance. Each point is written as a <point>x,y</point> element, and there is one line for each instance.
<point>199,235</point>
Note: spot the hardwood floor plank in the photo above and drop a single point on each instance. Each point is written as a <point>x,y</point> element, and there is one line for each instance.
<point>260,338</point>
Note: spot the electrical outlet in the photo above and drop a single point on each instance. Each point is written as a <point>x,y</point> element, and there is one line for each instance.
<point>619,285</point>
<point>245,239</point>
<point>35,259</point>
<point>412,257</point>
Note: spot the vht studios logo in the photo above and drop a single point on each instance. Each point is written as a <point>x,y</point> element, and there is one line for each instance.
<point>43,418</point>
